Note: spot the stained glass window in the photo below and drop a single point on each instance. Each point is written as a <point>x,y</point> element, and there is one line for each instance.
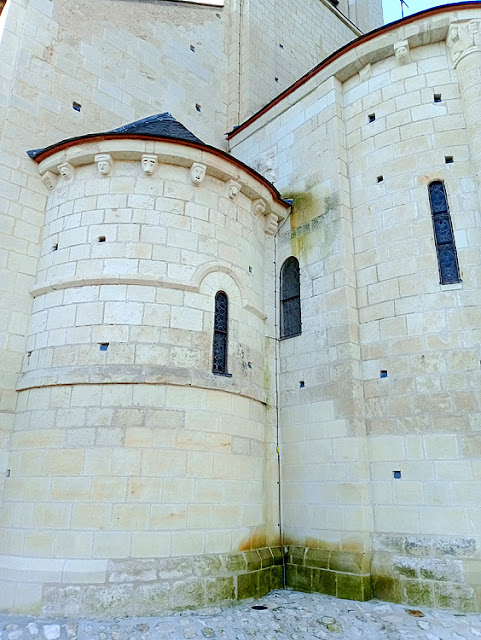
<point>443,234</point>
<point>290,299</point>
<point>219,361</point>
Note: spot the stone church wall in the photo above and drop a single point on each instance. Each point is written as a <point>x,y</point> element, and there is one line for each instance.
<point>136,474</point>
<point>69,70</point>
<point>417,535</point>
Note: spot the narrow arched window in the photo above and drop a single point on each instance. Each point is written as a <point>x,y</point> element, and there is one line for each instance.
<point>219,360</point>
<point>290,299</point>
<point>443,234</point>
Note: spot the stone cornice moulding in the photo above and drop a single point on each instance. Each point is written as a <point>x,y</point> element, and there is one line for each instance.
<point>149,281</point>
<point>138,374</point>
<point>428,27</point>
<point>217,164</point>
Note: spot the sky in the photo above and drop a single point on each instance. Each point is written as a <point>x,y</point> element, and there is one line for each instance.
<point>392,8</point>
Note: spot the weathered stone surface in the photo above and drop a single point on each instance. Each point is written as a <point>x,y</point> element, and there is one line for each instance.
<point>188,595</point>
<point>108,601</point>
<point>247,585</point>
<point>454,596</point>
<point>234,562</point>
<point>418,593</point>
<point>208,565</point>
<point>132,571</point>
<point>405,566</point>
<point>152,599</point>
<point>219,589</point>
<point>253,560</point>
<point>318,558</point>
<point>437,569</point>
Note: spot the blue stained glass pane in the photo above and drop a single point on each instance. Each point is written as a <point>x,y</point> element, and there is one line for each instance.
<point>448,264</point>
<point>439,203</point>
<point>442,229</point>
<point>219,350</point>
<point>443,234</point>
<point>290,299</point>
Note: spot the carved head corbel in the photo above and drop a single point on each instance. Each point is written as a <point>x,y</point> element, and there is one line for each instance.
<point>66,170</point>
<point>197,173</point>
<point>104,163</point>
<point>149,163</point>
<point>259,207</point>
<point>233,189</point>
<point>401,51</point>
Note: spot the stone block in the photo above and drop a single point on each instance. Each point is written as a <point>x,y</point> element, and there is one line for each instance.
<point>264,582</point>
<point>406,566</point>
<point>132,571</point>
<point>276,578</point>
<point>105,602</point>
<point>266,557</point>
<point>248,585</point>
<point>207,565</point>
<point>441,569</point>
<point>353,587</point>
<point>219,589</point>
<point>234,562</point>
<point>418,593</point>
<point>317,558</point>
<point>454,596</point>
<point>253,560</point>
<point>188,594</point>
<point>152,599</point>
<point>324,581</point>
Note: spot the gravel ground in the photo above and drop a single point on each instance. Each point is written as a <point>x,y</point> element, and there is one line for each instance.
<point>278,616</point>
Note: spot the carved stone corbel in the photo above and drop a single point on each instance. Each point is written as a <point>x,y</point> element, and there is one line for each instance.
<point>197,173</point>
<point>271,224</point>
<point>149,163</point>
<point>233,189</point>
<point>401,52</point>
<point>66,170</point>
<point>258,207</point>
<point>104,163</point>
<point>49,179</point>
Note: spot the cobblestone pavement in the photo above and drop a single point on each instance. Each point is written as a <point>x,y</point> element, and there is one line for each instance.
<point>280,615</point>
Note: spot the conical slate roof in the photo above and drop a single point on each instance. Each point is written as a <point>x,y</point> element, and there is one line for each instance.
<point>163,125</point>
<point>160,125</point>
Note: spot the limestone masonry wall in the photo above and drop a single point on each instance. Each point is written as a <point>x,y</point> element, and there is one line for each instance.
<point>399,115</point>
<point>125,445</point>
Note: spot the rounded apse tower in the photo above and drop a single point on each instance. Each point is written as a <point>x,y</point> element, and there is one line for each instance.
<point>143,458</point>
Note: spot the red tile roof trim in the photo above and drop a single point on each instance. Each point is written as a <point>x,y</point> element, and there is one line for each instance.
<point>458,6</point>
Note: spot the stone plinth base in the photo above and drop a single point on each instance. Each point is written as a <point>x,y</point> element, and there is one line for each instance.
<point>341,574</point>
<point>152,586</point>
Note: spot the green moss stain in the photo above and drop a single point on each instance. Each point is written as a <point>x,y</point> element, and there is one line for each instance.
<point>307,232</point>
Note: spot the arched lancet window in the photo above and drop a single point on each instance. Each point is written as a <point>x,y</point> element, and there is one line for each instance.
<point>219,360</point>
<point>290,299</point>
<point>443,234</point>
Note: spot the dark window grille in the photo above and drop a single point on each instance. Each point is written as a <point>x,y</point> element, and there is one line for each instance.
<point>443,234</point>
<point>219,360</point>
<point>290,299</point>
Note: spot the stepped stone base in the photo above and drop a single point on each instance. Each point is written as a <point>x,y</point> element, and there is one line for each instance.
<point>162,585</point>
